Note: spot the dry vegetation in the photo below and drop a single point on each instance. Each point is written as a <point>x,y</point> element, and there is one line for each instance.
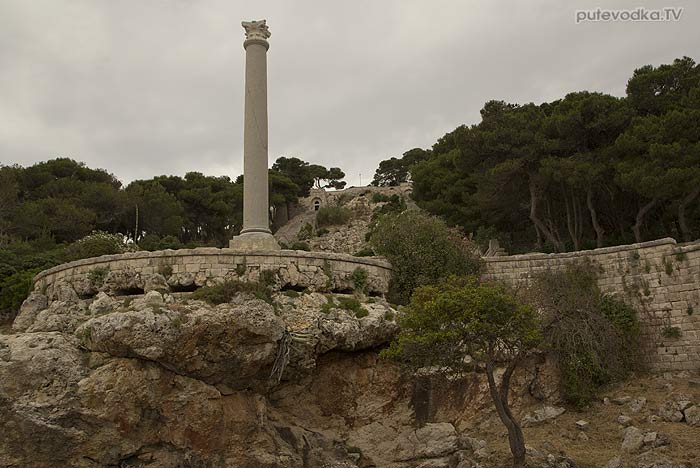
<point>604,433</point>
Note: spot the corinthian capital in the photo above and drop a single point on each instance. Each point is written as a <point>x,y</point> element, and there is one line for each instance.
<point>256,29</point>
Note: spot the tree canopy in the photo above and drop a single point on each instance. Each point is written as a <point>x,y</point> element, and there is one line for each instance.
<point>51,205</point>
<point>306,176</point>
<point>584,171</point>
<point>459,317</point>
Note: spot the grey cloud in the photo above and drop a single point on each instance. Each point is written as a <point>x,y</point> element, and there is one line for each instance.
<point>147,88</point>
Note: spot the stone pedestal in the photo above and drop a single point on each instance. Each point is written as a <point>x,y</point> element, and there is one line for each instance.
<point>255,233</point>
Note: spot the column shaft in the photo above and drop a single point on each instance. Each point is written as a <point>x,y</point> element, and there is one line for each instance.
<point>255,184</point>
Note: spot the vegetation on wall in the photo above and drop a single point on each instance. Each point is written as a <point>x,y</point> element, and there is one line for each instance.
<point>224,292</point>
<point>594,338</point>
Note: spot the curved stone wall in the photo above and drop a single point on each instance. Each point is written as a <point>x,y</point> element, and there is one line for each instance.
<point>660,278</point>
<point>188,269</point>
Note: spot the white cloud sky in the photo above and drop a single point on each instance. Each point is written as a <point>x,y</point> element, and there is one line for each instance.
<point>149,87</point>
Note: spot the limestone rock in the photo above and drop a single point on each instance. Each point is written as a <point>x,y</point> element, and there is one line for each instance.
<point>662,440</point>
<point>542,415</point>
<point>623,400</point>
<point>671,411</point>
<point>60,316</point>
<point>445,462</point>
<point>650,438</point>
<point>35,303</point>
<point>615,462</point>
<point>64,292</point>
<point>234,346</point>
<point>692,415</point>
<point>39,376</point>
<point>101,304</point>
<point>633,439</point>
<point>472,443</point>
<point>155,282</point>
<point>430,441</point>
<point>652,460</point>
<point>122,282</point>
<point>624,420</point>
<point>637,404</point>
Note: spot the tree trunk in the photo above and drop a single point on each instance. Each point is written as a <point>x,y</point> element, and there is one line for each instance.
<point>569,221</point>
<point>136,227</point>
<point>687,237</point>
<point>639,220</point>
<point>499,395</point>
<point>534,199</point>
<point>579,220</point>
<point>599,231</point>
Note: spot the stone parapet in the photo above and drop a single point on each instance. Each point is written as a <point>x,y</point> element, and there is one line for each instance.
<point>188,269</point>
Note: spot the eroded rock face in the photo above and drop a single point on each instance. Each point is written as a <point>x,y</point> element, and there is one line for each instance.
<point>150,380</point>
<point>156,381</point>
<point>39,376</point>
<point>229,345</point>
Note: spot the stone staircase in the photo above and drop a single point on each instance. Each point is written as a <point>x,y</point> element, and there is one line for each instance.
<point>289,232</point>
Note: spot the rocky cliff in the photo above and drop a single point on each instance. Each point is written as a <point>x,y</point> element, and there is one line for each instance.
<point>160,380</point>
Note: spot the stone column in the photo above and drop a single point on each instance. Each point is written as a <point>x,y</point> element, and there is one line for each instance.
<point>256,234</point>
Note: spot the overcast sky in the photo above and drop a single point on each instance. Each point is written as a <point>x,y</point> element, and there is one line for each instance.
<point>145,87</point>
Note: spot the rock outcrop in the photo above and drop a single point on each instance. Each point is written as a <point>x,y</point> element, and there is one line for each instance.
<point>161,380</point>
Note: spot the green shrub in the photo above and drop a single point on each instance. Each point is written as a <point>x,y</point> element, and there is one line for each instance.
<point>97,276</point>
<point>593,337</point>
<point>671,332</point>
<point>300,245</point>
<point>359,278</point>
<point>291,293</point>
<point>268,278</point>
<point>224,292</point>
<point>165,270</point>
<point>668,267</point>
<point>422,250</point>
<point>332,216</point>
<point>96,244</point>
<point>153,242</point>
<point>378,197</point>
<point>306,232</point>
<point>328,306</point>
<point>322,232</point>
<point>364,252</point>
<point>14,289</point>
<point>353,305</point>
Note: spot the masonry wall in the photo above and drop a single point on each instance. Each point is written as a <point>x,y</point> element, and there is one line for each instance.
<point>187,269</point>
<point>660,278</point>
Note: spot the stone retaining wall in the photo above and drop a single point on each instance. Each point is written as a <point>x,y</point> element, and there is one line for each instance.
<point>660,278</point>
<point>187,269</point>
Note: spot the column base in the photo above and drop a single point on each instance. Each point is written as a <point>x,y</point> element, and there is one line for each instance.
<point>254,241</point>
